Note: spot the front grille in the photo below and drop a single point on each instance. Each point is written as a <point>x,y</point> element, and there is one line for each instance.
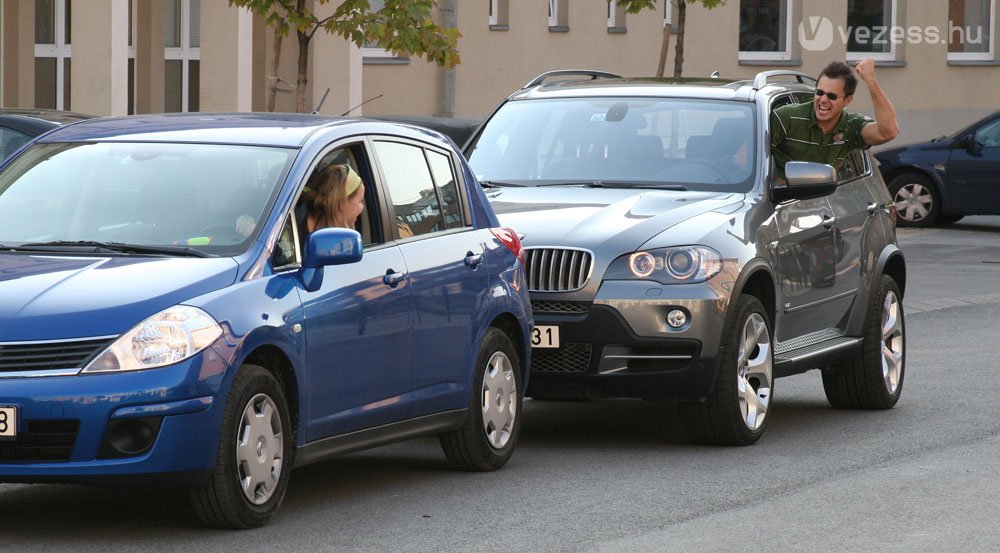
<point>40,356</point>
<point>570,358</point>
<point>557,270</point>
<point>565,307</point>
<point>43,441</point>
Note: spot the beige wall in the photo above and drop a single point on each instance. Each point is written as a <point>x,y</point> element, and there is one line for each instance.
<point>226,58</point>
<point>18,61</point>
<point>99,78</point>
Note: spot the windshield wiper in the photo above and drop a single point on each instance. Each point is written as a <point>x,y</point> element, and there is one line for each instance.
<point>619,184</point>
<point>499,184</point>
<point>107,247</point>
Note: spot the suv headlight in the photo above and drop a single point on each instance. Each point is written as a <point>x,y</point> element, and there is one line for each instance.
<point>679,265</point>
<point>168,337</point>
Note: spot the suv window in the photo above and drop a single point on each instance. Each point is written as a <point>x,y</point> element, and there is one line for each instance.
<point>702,144</point>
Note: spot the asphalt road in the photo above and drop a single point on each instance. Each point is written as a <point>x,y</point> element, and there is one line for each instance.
<point>619,475</point>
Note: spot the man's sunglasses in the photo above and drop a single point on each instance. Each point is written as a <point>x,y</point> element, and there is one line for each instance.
<point>831,95</point>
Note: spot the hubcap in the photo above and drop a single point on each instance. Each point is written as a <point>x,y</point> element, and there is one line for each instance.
<point>892,342</point>
<point>258,449</point>
<point>753,375</point>
<point>499,400</point>
<point>913,202</point>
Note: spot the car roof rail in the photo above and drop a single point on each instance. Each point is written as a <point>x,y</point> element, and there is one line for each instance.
<point>561,72</point>
<point>760,81</point>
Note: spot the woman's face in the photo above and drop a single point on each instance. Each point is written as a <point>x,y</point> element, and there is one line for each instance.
<point>351,208</point>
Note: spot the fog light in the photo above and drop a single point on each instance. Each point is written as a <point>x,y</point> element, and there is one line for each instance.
<point>129,437</point>
<point>677,318</point>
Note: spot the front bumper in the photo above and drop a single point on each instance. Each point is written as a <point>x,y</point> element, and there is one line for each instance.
<point>63,424</point>
<point>621,345</point>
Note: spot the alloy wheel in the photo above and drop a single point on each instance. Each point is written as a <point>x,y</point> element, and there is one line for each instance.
<point>892,343</point>
<point>753,376</point>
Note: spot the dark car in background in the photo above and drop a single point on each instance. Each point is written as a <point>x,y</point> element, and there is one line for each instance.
<point>947,178</point>
<point>20,126</point>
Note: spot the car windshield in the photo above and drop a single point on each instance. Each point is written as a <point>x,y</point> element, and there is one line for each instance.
<point>644,142</point>
<point>198,198</point>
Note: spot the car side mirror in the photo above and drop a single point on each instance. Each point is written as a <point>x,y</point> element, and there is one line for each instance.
<point>804,180</point>
<point>969,143</point>
<point>329,246</point>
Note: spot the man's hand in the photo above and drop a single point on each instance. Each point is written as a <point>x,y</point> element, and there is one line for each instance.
<point>866,70</point>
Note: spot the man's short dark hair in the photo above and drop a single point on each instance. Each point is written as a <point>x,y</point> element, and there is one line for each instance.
<point>840,70</point>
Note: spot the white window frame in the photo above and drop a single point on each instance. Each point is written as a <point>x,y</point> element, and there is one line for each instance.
<point>185,52</point>
<point>494,12</point>
<point>612,8</point>
<point>60,51</point>
<point>668,13</point>
<point>553,13</point>
<point>976,56</point>
<point>777,55</point>
<point>882,56</point>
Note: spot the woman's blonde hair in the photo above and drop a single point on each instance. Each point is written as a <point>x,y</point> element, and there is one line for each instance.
<point>327,188</point>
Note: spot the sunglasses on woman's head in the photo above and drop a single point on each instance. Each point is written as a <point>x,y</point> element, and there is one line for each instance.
<point>831,95</point>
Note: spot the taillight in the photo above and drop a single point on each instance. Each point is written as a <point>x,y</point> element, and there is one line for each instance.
<point>509,238</point>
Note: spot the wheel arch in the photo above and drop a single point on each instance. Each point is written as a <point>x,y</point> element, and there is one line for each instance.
<point>508,324</point>
<point>934,177</point>
<point>757,280</point>
<point>891,262</point>
<point>274,360</point>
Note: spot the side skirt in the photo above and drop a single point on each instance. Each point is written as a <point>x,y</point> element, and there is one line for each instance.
<point>828,352</point>
<point>381,435</point>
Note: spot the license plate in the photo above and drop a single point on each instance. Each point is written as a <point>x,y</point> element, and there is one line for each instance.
<point>8,422</point>
<point>545,337</point>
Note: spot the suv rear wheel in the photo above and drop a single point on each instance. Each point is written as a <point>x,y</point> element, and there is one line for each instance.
<point>875,381</point>
<point>736,410</point>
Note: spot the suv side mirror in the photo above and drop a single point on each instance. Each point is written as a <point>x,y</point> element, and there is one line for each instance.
<point>804,180</point>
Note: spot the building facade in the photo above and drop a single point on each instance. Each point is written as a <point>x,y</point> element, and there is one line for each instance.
<point>937,60</point>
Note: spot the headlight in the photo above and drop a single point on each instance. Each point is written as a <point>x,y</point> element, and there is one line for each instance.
<point>168,337</point>
<point>680,265</point>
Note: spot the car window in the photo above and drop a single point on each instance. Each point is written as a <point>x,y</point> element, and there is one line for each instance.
<point>205,196</point>
<point>989,134</point>
<point>308,213</point>
<point>11,141</point>
<point>414,197</point>
<point>444,179</point>
<point>702,144</point>
<point>852,167</point>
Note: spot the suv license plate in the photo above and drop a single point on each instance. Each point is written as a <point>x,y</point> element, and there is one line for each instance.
<point>545,337</point>
<point>8,422</point>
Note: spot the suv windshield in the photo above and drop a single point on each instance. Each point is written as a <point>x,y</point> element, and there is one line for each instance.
<point>206,197</point>
<point>645,142</point>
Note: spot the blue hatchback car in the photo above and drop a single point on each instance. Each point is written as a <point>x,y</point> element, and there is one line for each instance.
<point>165,315</point>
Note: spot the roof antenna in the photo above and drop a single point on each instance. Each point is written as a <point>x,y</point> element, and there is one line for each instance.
<point>323,99</point>
<point>361,104</point>
<point>715,74</point>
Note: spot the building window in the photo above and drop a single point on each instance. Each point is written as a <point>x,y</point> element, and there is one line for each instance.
<point>765,30</point>
<point>616,17</point>
<point>52,54</point>
<point>182,54</point>
<point>371,52</point>
<point>872,25</point>
<point>971,27</point>
<point>558,16</point>
<point>498,14</point>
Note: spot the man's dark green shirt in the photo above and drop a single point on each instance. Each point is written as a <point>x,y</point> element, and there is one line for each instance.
<point>796,136</point>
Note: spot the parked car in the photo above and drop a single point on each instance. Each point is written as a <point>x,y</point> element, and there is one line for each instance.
<point>20,126</point>
<point>665,263</point>
<point>947,178</point>
<point>145,337</point>
<point>458,129</point>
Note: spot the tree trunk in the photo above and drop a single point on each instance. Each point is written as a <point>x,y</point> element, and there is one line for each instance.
<point>679,56</point>
<point>664,48</point>
<point>272,87</point>
<point>303,76</point>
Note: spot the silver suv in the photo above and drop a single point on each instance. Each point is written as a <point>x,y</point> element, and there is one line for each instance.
<point>666,261</point>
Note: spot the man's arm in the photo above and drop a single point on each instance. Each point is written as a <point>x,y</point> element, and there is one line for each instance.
<point>885,127</point>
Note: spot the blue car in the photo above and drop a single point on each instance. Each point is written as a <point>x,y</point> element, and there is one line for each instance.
<point>167,316</point>
<point>945,179</point>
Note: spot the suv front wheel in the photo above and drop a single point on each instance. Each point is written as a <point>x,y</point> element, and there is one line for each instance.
<point>735,411</point>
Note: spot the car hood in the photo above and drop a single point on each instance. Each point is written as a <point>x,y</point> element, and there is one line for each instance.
<point>599,219</point>
<point>48,297</point>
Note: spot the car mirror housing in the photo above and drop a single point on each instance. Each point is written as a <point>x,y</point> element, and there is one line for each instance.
<point>332,246</point>
<point>804,180</point>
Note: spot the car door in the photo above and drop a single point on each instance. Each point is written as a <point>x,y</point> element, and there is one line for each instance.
<point>974,172</point>
<point>359,324</point>
<point>444,256</point>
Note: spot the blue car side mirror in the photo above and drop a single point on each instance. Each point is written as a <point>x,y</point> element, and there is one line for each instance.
<point>329,246</point>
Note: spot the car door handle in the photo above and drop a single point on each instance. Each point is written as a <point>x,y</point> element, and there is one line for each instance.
<point>829,221</point>
<point>873,208</point>
<point>473,260</point>
<point>392,278</point>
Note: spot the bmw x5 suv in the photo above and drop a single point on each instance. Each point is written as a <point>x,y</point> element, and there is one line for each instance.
<point>666,260</point>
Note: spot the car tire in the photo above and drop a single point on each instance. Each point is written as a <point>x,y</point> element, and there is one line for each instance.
<point>875,380</point>
<point>734,413</point>
<point>254,458</point>
<point>486,439</point>
<point>917,201</point>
